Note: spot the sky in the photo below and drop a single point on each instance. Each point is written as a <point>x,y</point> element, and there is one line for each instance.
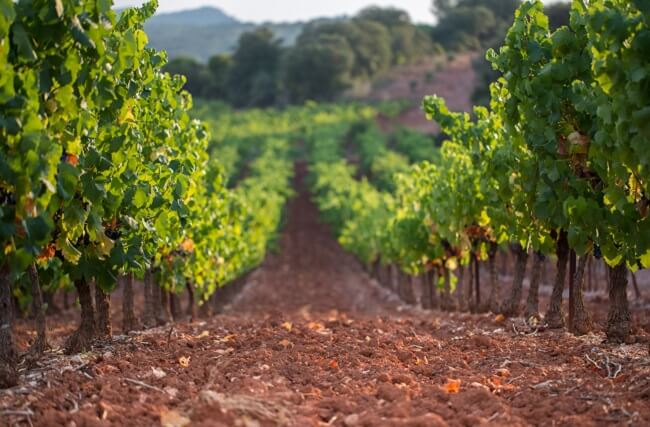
<point>293,10</point>
<point>290,10</point>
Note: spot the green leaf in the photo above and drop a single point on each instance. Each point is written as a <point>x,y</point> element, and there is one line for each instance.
<point>67,180</point>
<point>140,198</point>
<point>70,253</point>
<point>23,43</point>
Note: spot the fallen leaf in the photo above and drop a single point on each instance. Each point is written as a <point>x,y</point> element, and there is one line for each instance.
<point>503,372</point>
<point>203,334</point>
<point>103,409</point>
<point>497,385</point>
<point>228,338</point>
<point>452,386</point>
<point>173,419</point>
<point>184,361</point>
<point>333,316</point>
<point>158,373</point>
<point>500,318</point>
<point>315,326</point>
<point>334,364</point>
<point>171,391</point>
<point>288,326</point>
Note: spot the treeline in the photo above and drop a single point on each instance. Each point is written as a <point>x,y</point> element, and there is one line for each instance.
<point>332,55</point>
<point>328,57</point>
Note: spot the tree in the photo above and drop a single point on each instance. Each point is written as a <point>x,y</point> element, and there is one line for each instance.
<point>389,17</point>
<point>465,27</point>
<point>258,53</point>
<point>318,69</point>
<point>472,23</point>
<point>219,67</point>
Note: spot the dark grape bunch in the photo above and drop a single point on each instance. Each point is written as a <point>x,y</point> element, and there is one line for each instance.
<point>597,253</point>
<point>7,197</point>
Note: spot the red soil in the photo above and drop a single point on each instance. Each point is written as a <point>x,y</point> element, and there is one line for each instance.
<point>454,81</point>
<point>312,340</point>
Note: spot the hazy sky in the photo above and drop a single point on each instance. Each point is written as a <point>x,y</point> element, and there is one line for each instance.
<point>290,10</point>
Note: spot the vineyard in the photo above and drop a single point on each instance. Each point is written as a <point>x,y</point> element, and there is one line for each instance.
<point>170,261</point>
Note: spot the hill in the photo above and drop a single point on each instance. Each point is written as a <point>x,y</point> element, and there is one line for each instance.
<point>207,31</point>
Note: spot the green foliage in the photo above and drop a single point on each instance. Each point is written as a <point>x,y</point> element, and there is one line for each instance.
<point>253,78</point>
<point>204,81</point>
<point>472,24</point>
<point>102,170</point>
<point>319,69</point>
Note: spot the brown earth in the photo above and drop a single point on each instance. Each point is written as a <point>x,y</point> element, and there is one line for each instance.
<point>454,80</point>
<point>312,340</point>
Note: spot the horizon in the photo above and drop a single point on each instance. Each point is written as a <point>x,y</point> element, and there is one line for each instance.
<point>280,11</point>
<point>289,10</point>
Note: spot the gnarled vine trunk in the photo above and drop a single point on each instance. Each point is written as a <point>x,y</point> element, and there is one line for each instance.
<point>426,297</point>
<point>81,339</point>
<point>581,321</point>
<point>512,306</point>
<point>492,304</point>
<point>129,321</point>
<point>175,305</point>
<point>554,317</point>
<point>637,292</point>
<point>394,278</point>
<point>149,316</point>
<point>39,312</point>
<point>103,326</point>
<point>448,301</point>
<point>165,311</point>
<point>432,282</point>
<point>8,373</point>
<point>407,284</point>
<point>477,278</point>
<point>191,302</point>
<point>532,302</point>
<point>463,290</point>
<point>619,320</point>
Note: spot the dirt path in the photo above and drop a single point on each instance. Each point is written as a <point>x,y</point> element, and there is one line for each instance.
<point>313,341</point>
<point>310,272</point>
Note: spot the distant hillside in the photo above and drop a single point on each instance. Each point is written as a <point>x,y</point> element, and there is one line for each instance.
<point>202,33</point>
<point>195,17</point>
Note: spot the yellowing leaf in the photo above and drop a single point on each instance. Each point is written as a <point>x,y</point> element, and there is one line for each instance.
<point>286,343</point>
<point>315,326</point>
<point>172,418</point>
<point>451,263</point>
<point>188,245</point>
<point>184,361</point>
<point>228,338</point>
<point>452,386</point>
<point>500,318</point>
<point>203,334</point>
<point>288,326</point>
